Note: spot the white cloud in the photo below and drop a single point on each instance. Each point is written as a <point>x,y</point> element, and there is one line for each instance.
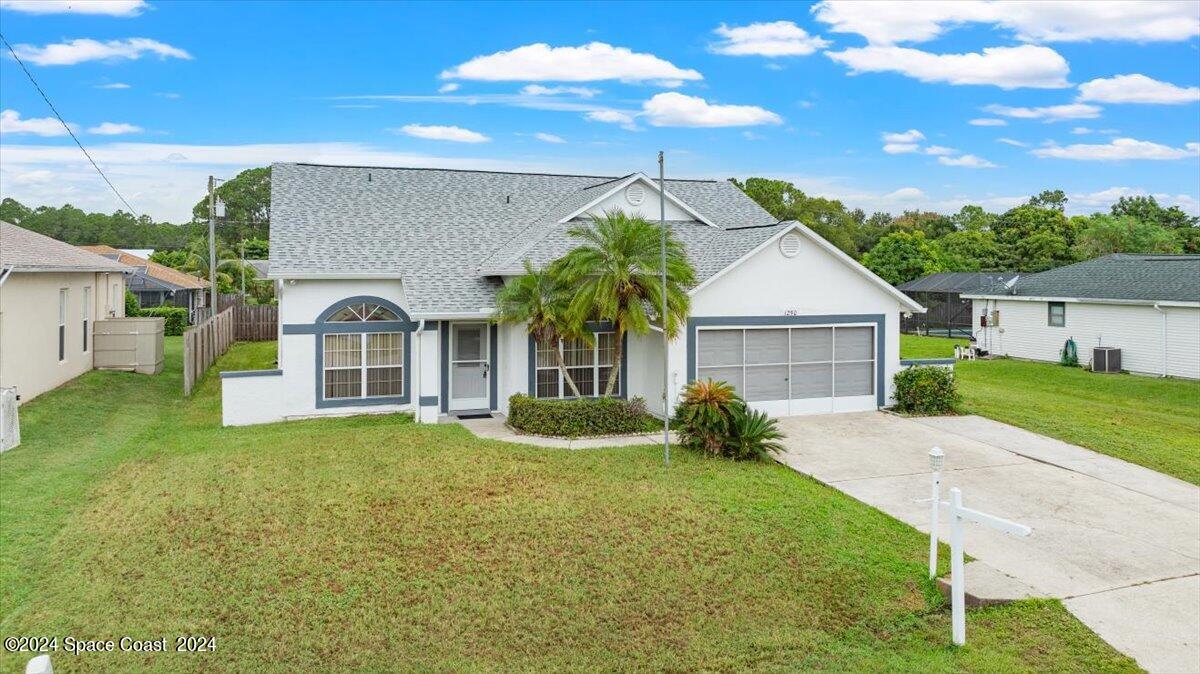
<point>83,50</point>
<point>939,150</point>
<point>170,95</point>
<point>1119,149</point>
<point>675,109</point>
<point>750,135</point>
<point>114,129</point>
<point>910,136</point>
<point>1081,131</point>
<point>906,194</point>
<point>11,122</point>
<point>1101,200</point>
<point>1049,113</point>
<point>1010,141</point>
<point>104,7</point>
<point>1004,67</point>
<point>900,148</point>
<point>549,138</point>
<point>892,21</point>
<point>449,87</point>
<point>112,85</point>
<point>778,38</point>
<point>1136,89</point>
<point>987,121</point>
<point>454,134</point>
<point>591,62</point>
<point>966,161</point>
<point>541,90</point>
<point>625,119</point>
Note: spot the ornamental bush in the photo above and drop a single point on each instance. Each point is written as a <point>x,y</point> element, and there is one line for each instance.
<point>712,418</point>
<point>175,318</point>
<point>926,390</point>
<point>577,417</point>
<point>132,307</point>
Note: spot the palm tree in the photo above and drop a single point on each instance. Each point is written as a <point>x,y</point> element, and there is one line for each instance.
<point>616,276</point>
<point>539,300</point>
<point>197,262</point>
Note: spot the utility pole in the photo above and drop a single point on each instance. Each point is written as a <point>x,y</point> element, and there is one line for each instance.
<point>243,268</point>
<point>212,245</point>
<point>662,221</point>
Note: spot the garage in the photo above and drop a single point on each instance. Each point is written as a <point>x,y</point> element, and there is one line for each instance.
<point>786,370</point>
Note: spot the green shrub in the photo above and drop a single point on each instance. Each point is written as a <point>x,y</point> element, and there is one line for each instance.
<point>176,318</point>
<point>579,417</point>
<point>926,390</point>
<point>132,308</point>
<point>712,418</point>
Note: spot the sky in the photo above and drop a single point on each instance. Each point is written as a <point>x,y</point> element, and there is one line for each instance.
<point>884,105</point>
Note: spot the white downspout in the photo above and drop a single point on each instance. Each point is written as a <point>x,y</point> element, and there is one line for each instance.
<point>1164,336</point>
<point>418,370</point>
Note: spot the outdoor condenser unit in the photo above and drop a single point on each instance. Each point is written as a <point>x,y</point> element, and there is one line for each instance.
<point>1106,359</point>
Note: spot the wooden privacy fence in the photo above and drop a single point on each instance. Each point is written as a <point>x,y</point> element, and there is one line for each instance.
<point>255,322</point>
<point>202,344</point>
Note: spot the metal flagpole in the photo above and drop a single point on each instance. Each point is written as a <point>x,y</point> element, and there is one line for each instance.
<point>212,246</point>
<point>662,221</point>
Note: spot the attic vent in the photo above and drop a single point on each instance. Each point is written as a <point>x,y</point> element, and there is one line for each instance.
<point>635,194</point>
<point>789,244</point>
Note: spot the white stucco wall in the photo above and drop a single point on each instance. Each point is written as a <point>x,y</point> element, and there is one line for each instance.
<point>1024,332</point>
<point>249,400</point>
<point>29,326</point>
<point>649,208</point>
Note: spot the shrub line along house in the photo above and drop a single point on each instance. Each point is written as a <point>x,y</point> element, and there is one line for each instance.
<point>387,280</point>
<point>51,296</point>
<point>1146,305</point>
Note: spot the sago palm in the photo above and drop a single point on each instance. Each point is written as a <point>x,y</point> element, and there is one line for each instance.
<point>615,274</point>
<point>539,300</point>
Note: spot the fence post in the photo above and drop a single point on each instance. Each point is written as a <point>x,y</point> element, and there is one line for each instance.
<point>958,617</point>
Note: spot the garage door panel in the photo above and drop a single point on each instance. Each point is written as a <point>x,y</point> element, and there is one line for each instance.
<point>812,381</point>
<point>853,344</point>
<point>766,347</point>
<point>766,382</point>
<point>812,345</point>
<point>720,347</point>
<point>729,375</point>
<point>854,379</point>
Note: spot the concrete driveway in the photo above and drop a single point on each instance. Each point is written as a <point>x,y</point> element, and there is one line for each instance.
<point>1118,543</point>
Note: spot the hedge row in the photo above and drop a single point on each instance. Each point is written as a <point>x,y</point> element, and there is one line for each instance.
<point>579,417</point>
<point>926,390</point>
<point>176,318</point>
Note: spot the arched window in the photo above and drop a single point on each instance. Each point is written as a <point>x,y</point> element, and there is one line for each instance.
<point>363,353</point>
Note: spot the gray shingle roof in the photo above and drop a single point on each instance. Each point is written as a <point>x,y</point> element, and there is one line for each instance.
<point>956,282</point>
<point>24,250</point>
<point>1121,276</point>
<point>436,228</point>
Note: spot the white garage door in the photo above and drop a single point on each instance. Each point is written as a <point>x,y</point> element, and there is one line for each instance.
<point>784,370</point>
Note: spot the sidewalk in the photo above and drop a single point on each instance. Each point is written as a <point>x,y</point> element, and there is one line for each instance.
<point>495,429</point>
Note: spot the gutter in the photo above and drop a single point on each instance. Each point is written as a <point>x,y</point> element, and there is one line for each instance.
<point>1083,300</point>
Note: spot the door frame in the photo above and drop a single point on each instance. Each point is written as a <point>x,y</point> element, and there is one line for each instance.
<point>492,350</point>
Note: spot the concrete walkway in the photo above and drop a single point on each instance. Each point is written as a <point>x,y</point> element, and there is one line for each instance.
<point>494,429</point>
<point>1118,543</point>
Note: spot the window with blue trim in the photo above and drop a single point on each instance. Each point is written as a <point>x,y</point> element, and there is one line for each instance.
<point>589,365</point>
<point>366,364</point>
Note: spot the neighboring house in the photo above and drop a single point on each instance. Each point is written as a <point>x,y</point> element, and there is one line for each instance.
<point>1147,305</point>
<point>156,284</point>
<point>946,312</point>
<point>388,277</point>
<point>51,295</point>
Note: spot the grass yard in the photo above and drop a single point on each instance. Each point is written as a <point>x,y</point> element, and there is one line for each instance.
<point>1144,420</point>
<point>921,346</point>
<point>373,543</point>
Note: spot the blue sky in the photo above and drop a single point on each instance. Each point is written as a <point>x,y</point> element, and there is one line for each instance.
<point>878,104</point>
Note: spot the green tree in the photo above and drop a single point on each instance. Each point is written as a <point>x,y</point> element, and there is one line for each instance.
<point>539,300</point>
<point>614,273</point>
<point>972,217</point>
<point>176,259</point>
<point>1105,234</point>
<point>1052,199</point>
<point>871,230</point>
<point>935,225</point>
<point>1147,209</point>
<point>77,227</point>
<point>13,211</point>
<point>971,250</point>
<point>783,200</point>
<point>903,256</point>
<point>254,249</point>
<point>1035,238</point>
<point>247,199</point>
<point>1041,250</point>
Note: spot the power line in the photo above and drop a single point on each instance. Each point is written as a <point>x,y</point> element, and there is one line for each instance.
<point>68,127</point>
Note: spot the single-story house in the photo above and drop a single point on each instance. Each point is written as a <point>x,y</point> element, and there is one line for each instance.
<point>1146,305</point>
<point>388,278</point>
<point>156,284</point>
<point>51,295</point>
<point>946,312</point>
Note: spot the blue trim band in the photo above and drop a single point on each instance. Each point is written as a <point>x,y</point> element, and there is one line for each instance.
<point>828,319</point>
<point>493,358</point>
<point>926,361</point>
<point>444,357</point>
<point>363,326</point>
<point>238,374</point>
<point>322,328</point>
<point>428,401</point>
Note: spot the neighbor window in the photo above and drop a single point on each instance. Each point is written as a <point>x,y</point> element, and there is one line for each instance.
<point>588,364</point>
<point>62,324</point>
<point>1057,314</point>
<point>87,315</point>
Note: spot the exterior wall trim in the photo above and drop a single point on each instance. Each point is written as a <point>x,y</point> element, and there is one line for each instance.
<point>829,319</point>
<point>238,374</point>
<point>320,328</point>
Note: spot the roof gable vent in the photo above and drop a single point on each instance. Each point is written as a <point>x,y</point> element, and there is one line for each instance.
<point>789,244</point>
<point>635,194</point>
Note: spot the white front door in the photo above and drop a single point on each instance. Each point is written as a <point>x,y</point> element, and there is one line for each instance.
<point>469,369</point>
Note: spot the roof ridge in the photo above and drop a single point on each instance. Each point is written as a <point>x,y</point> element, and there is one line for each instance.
<point>606,179</point>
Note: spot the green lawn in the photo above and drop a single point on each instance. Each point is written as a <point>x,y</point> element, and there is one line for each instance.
<point>919,346</point>
<point>1144,420</point>
<point>373,543</point>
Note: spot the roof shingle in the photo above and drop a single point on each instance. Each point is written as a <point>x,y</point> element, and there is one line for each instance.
<point>1121,276</point>
<point>25,250</point>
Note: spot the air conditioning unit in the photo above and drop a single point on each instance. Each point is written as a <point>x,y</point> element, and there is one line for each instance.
<point>1106,359</point>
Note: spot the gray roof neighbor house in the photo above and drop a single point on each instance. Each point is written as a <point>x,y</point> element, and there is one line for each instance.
<point>1121,277</point>
<point>451,234</point>
<point>22,250</point>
